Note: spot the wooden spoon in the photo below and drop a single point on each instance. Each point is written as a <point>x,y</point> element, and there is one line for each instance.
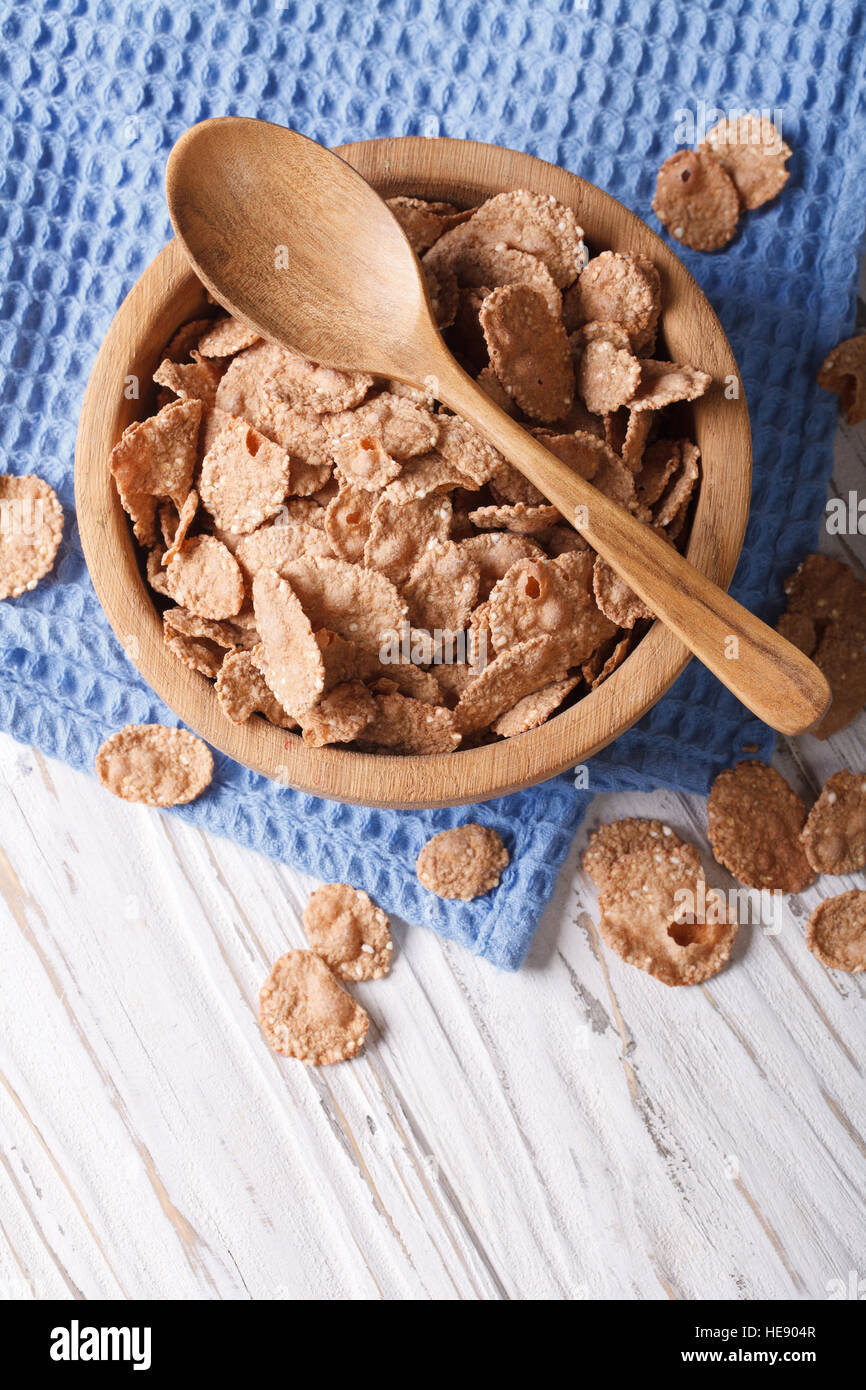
<point>294,243</point>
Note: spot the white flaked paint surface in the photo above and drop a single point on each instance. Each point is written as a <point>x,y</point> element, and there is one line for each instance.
<point>576,1130</point>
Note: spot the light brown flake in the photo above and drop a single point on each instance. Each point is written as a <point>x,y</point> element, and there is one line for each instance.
<point>519,519</point>
<point>843,661</point>
<point>616,600</point>
<point>244,476</point>
<point>424,222</point>
<point>362,605</point>
<point>226,337</point>
<point>406,725</point>
<point>365,463</point>
<point>31,528</point>
<point>492,387</point>
<point>461,445</point>
<point>155,765</point>
<point>403,428</point>
<point>442,588</point>
<point>537,223</point>
<point>553,597</point>
<point>339,716</point>
<point>463,863</point>
<point>305,385</point>
<point>199,643</point>
<point>529,351</point>
<point>443,293</point>
<point>305,1013</point>
<point>834,836</point>
<point>836,933</point>
<point>620,288</point>
<point>662,383</point>
<point>754,824</point>
<point>205,578</point>
<point>155,458</point>
<point>640,423</point>
<point>583,452</point>
<point>242,691</point>
<point>844,371</point>
<point>401,531</point>
<point>522,669</point>
<point>181,343</point>
<point>753,153</point>
<point>696,200</point>
<point>190,381</point>
<point>185,518</point>
<point>679,491</point>
<point>494,553</point>
<point>347,522</point>
<point>658,915</point>
<point>272,547</point>
<point>533,710</point>
<point>611,842</point>
<point>607,376</point>
<point>424,475</point>
<point>350,933</point>
<point>658,465</point>
<point>478,264</point>
<point>289,657</point>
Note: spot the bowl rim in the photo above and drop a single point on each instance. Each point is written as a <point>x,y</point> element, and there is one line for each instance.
<point>167,294</point>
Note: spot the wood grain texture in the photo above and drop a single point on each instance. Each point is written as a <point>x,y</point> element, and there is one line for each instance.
<point>167,293</point>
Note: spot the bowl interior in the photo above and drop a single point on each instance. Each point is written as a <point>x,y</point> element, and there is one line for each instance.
<point>168,294</point>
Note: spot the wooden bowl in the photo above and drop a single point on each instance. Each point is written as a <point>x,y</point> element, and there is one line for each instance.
<point>168,294</point>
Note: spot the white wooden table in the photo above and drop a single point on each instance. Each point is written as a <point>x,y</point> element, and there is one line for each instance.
<point>576,1130</point>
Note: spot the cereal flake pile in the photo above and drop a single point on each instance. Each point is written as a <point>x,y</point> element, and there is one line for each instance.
<point>346,558</point>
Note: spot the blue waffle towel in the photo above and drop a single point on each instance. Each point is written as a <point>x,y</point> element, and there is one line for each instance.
<point>93,93</point>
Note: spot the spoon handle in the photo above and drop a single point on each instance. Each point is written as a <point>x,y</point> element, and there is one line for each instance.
<point>768,674</point>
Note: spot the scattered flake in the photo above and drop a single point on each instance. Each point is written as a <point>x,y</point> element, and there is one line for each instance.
<point>696,200</point>
<point>836,933</point>
<point>582,451</point>
<point>843,661</point>
<point>289,656</point>
<point>305,1013</point>
<point>156,576</point>
<point>525,667</point>
<point>662,383</point>
<point>753,153</point>
<point>754,824</point>
<point>607,376</point>
<point>598,330</point>
<point>272,547</point>
<point>243,691</point>
<point>155,458</point>
<point>406,725</point>
<point>180,345</point>
<point>828,591</point>
<point>244,476</point>
<point>340,716</point>
<point>350,933</point>
<point>834,836</point>
<point>342,660</point>
<point>305,385</point>
<point>614,597</point>
<point>520,519</point>
<point>509,485</point>
<point>615,480</point>
<point>529,351</point>
<point>800,630</point>
<point>534,709</point>
<point>347,522</point>
<point>611,842</point>
<point>615,660</point>
<point>464,863</point>
<point>492,387</point>
<point>844,371</point>
<point>190,381</point>
<point>205,578</point>
<point>494,553</point>
<point>401,531</point>
<point>426,474</point>
<point>365,463</point>
<point>362,605</point>
<point>226,337</point>
<point>442,588</point>
<point>197,642</point>
<point>552,597</point>
<point>31,527</point>
<point>620,288</point>
<point>643,919</point>
<point>153,764</point>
